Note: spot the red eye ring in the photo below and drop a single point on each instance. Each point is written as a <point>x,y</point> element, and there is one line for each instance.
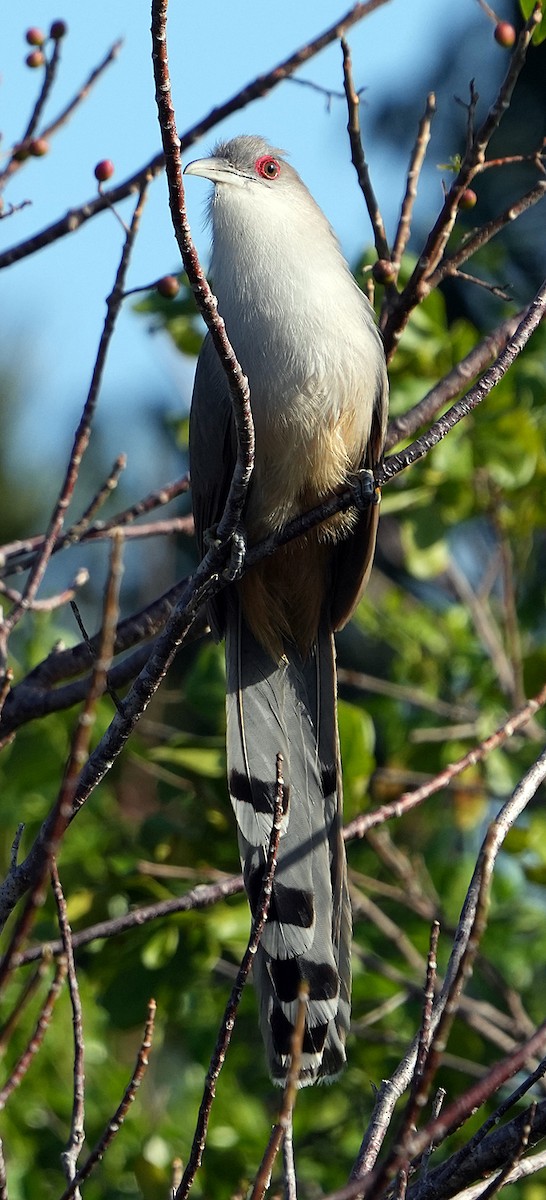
<point>267,167</point>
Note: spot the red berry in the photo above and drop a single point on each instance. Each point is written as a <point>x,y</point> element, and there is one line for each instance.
<point>34,36</point>
<point>35,59</point>
<point>384,271</point>
<point>168,287</point>
<point>21,153</point>
<point>468,199</point>
<point>104,170</point>
<point>505,34</point>
<point>38,147</point>
<point>58,30</point>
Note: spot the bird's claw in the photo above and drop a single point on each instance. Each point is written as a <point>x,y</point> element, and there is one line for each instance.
<point>364,489</point>
<point>234,551</point>
<point>237,555</point>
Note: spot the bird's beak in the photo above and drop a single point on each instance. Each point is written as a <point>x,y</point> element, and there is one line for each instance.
<point>218,170</point>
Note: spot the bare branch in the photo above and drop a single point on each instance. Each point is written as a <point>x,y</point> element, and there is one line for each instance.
<point>358,157</point>
<point>480,237</point>
<point>77,1127</point>
<point>83,92</point>
<point>259,86</point>
<point>202,896</point>
<point>20,1069</point>
<point>454,382</point>
<point>3,1175</point>
<point>25,996</point>
<point>64,116</point>
<point>83,432</point>
<point>408,800</point>
<point>416,162</point>
<point>114,1125</point>
<point>230,1013</point>
<point>54,828</point>
<point>284,1123</point>
<point>206,302</point>
<point>426,272</point>
<point>530,321</point>
<point>20,555</point>
<point>51,65</point>
<point>393,1088</point>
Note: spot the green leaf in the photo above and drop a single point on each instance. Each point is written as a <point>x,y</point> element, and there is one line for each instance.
<point>357,738</point>
<point>527,7</point>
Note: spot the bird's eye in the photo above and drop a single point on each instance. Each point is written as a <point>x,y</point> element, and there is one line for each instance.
<point>267,167</point>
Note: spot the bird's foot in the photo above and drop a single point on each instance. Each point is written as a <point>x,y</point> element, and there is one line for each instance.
<point>237,554</point>
<point>364,489</point>
<point>233,549</point>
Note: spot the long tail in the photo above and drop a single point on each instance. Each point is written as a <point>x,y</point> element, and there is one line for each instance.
<point>291,708</point>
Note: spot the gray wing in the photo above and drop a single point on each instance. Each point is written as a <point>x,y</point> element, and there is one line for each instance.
<point>352,558</point>
<point>213,452</point>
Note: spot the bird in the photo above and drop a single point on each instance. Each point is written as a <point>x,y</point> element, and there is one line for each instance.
<point>306,338</point>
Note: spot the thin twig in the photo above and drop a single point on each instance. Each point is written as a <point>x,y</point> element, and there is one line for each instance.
<point>498,1183</point>
<point>83,432</point>
<point>21,1067</point>
<point>19,555</point>
<point>486,630</point>
<point>422,1073</point>
<point>437,1105</point>
<point>263,1175</point>
<point>461,1156</point>
<point>453,383</point>
<point>393,1088</point>
<point>26,994</point>
<point>359,159</point>
<point>524,1169</point>
<point>426,273</point>
<point>406,694</point>
<point>477,240</point>
<point>439,1019</point>
<point>493,288</point>
<point>64,116</point>
<point>203,896</point>
<point>257,87</point>
<point>532,316</point>
<point>98,500</point>
<point>77,1125</point>
<point>416,162</point>
<point>206,302</point>
<point>116,1121</point>
<point>49,603</point>
<point>59,818</point>
<point>3,1174</point>
<point>289,1165</point>
<point>408,800</point>
<point>51,65</point>
<point>84,90</point>
<point>230,1013</point>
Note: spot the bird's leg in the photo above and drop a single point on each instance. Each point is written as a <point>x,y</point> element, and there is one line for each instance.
<point>364,490</point>
<point>233,549</point>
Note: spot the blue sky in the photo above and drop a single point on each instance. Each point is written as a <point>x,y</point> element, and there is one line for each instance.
<point>53,303</point>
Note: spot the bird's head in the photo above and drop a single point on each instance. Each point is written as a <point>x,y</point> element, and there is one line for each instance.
<point>247,162</point>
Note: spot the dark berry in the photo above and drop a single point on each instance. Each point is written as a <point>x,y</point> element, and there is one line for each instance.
<point>168,287</point>
<point>384,271</point>
<point>58,30</point>
<point>38,147</point>
<point>468,199</point>
<point>505,34</point>
<point>34,36</point>
<point>35,59</point>
<point>104,170</point>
